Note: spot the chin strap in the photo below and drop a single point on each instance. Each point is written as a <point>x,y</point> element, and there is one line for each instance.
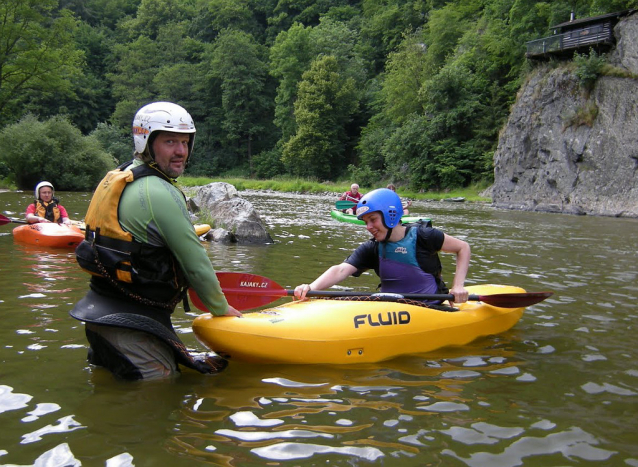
<point>387,236</point>
<point>153,165</point>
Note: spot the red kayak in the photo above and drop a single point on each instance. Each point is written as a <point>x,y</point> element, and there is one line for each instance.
<point>49,234</point>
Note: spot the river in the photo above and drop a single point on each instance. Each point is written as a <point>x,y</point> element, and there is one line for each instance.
<point>560,388</point>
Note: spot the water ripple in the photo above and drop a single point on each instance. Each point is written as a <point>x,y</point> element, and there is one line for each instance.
<point>290,451</point>
<point>11,401</point>
<point>65,425</point>
<point>571,443</point>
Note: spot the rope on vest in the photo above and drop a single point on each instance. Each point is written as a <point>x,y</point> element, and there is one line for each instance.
<point>143,300</point>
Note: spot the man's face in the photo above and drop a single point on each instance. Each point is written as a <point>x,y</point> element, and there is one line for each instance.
<point>171,152</point>
<point>354,189</point>
<point>46,194</point>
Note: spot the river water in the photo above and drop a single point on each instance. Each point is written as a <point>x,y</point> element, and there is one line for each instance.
<point>560,388</point>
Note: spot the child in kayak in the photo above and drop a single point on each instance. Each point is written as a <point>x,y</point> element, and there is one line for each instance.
<point>405,257</point>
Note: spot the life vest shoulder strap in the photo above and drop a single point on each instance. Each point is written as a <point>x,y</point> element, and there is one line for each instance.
<point>103,209</point>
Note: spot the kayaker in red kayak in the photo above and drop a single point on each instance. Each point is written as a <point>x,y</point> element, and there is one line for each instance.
<point>405,257</point>
<point>353,195</point>
<point>46,208</point>
<point>143,254</point>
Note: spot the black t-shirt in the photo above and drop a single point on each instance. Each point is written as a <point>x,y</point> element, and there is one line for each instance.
<point>429,243</point>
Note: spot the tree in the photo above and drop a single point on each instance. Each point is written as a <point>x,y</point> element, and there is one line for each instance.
<point>114,141</point>
<point>153,15</point>
<point>384,24</point>
<point>104,13</point>
<point>327,99</point>
<point>306,12</point>
<point>405,74</point>
<point>290,57</point>
<point>137,63</point>
<point>37,53</point>
<point>53,150</point>
<point>91,101</point>
<point>239,64</point>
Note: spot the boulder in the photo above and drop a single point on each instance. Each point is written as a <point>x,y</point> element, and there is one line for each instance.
<point>235,219</point>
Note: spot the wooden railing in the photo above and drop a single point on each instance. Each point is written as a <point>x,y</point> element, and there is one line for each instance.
<point>597,34</point>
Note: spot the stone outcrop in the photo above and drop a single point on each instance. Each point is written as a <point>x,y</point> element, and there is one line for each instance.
<point>236,220</point>
<point>549,159</point>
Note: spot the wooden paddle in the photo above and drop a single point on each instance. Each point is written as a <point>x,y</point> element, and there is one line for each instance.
<point>341,204</point>
<point>246,291</point>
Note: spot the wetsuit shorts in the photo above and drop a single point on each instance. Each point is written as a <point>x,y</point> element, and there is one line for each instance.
<point>130,354</point>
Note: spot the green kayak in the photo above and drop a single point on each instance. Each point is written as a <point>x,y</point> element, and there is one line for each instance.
<point>343,217</point>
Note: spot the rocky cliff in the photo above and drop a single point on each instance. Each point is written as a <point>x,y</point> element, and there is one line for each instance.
<point>552,157</point>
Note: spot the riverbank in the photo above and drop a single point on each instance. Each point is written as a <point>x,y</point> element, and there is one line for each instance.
<point>474,193</point>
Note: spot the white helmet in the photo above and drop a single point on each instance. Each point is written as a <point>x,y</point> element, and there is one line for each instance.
<point>161,116</point>
<point>40,185</point>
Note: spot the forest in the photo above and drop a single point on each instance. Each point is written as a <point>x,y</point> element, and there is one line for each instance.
<point>412,92</point>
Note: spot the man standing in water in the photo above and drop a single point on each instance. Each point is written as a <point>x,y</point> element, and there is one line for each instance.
<point>143,254</point>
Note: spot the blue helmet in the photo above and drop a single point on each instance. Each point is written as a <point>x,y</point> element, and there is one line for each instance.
<point>387,202</point>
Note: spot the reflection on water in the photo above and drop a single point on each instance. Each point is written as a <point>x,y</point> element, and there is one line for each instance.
<point>557,389</point>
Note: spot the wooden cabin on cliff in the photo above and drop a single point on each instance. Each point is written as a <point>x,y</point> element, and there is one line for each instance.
<point>577,35</point>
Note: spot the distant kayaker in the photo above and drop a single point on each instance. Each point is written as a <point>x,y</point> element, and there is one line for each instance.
<point>143,254</point>
<point>405,257</point>
<point>46,208</point>
<point>353,195</point>
<point>405,205</point>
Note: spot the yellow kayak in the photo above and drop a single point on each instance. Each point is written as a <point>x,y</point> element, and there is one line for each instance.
<point>200,229</point>
<point>343,332</point>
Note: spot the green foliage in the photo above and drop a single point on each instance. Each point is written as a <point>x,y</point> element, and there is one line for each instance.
<point>406,71</point>
<point>114,141</point>
<point>37,53</point>
<point>589,68</point>
<point>363,174</point>
<point>268,164</point>
<point>101,13</point>
<point>238,63</point>
<point>290,56</point>
<point>294,52</point>
<point>414,91</point>
<point>445,29</point>
<point>53,150</point>
<point>325,104</point>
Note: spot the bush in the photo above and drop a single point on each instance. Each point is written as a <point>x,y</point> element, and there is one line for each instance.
<point>589,68</point>
<point>267,164</point>
<point>53,150</point>
<point>117,144</point>
<point>363,175</point>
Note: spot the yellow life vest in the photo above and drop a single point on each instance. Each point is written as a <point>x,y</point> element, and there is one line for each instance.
<point>120,265</point>
<point>50,211</point>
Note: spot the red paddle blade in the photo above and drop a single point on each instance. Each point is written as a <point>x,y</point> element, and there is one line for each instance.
<point>514,300</point>
<point>244,291</point>
<point>4,220</point>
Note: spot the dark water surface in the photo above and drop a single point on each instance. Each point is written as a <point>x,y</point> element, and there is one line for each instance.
<point>560,388</point>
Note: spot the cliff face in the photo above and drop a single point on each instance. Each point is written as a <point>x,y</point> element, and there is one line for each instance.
<point>546,162</point>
